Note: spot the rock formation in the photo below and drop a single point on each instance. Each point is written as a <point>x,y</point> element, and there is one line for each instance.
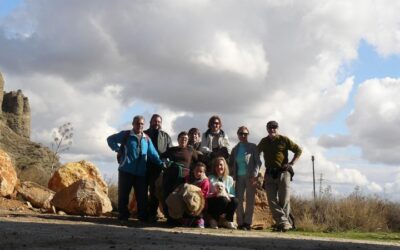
<point>37,195</point>
<point>71,172</point>
<point>8,176</point>
<point>17,113</point>
<point>84,197</point>
<point>32,160</point>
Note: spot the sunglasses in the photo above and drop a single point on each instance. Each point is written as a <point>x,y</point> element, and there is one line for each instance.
<point>243,134</point>
<point>272,127</point>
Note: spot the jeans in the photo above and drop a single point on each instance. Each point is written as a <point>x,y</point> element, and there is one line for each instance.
<point>221,205</point>
<point>125,183</point>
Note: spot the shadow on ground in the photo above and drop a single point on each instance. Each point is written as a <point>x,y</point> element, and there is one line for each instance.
<point>75,232</point>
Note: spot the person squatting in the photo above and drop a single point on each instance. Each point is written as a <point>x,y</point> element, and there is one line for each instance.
<point>203,181</point>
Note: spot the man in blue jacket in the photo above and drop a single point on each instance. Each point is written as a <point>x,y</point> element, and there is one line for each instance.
<point>138,149</point>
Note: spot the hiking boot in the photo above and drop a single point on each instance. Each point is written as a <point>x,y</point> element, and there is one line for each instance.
<point>229,225</point>
<point>246,227</point>
<point>286,227</point>
<point>213,224</point>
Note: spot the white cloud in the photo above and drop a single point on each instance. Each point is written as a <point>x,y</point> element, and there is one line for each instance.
<point>250,62</point>
<point>373,123</point>
<point>228,55</point>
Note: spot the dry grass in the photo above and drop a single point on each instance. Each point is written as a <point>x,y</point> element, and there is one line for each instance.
<point>355,212</point>
<point>112,192</point>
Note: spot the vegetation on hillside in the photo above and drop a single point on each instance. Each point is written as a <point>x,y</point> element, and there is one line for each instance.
<point>356,212</point>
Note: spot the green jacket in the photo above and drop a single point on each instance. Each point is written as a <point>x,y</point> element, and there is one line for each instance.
<point>276,150</point>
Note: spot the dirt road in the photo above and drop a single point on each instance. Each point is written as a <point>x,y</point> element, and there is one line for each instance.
<point>24,230</point>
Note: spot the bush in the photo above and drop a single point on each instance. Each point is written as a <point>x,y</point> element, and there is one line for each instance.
<point>355,212</point>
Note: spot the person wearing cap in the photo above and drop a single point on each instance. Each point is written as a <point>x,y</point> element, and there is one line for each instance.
<point>277,177</point>
<point>245,165</point>
<point>138,150</point>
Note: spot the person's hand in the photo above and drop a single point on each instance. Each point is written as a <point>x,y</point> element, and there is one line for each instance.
<point>287,166</point>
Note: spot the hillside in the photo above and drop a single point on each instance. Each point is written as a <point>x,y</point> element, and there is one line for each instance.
<point>33,160</point>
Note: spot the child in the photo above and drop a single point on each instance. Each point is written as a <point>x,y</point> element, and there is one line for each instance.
<point>198,178</point>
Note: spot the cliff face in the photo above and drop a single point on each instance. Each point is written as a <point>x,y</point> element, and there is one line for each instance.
<point>17,113</point>
<point>33,161</point>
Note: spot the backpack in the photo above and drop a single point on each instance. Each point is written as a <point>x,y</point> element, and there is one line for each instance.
<point>121,151</point>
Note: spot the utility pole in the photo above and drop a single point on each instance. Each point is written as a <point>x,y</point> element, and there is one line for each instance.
<point>320,185</point>
<point>313,173</point>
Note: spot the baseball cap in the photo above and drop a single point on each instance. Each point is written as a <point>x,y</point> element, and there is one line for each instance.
<point>272,124</point>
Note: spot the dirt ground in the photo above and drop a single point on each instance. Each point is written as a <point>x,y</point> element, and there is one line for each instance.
<point>24,228</point>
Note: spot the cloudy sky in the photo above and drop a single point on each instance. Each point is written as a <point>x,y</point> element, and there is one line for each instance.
<point>328,71</point>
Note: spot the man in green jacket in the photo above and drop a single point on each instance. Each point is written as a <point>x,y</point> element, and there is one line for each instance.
<point>277,176</point>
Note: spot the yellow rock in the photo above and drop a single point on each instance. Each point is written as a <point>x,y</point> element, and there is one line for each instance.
<point>8,175</point>
<point>71,172</point>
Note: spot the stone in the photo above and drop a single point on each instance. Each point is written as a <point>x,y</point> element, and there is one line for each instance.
<point>17,112</point>
<point>84,197</point>
<point>73,171</point>
<point>36,194</point>
<point>28,157</point>
<point>262,217</point>
<point>8,175</point>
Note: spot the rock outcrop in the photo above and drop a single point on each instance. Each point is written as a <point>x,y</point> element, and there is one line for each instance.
<point>262,217</point>
<point>36,194</point>
<point>8,175</point>
<point>71,172</point>
<point>17,113</point>
<point>32,160</point>
<point>84,197</point>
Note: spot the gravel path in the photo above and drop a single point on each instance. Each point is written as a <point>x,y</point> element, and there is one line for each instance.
<point>25,230</point>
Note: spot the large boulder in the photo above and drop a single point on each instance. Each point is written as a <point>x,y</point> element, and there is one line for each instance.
<point>36,194</point>
<point>73,171</point>
<point>84,197</point>
<point>8,175</point>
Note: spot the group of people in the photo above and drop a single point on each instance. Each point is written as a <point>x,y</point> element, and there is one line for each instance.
<point>223,175</point>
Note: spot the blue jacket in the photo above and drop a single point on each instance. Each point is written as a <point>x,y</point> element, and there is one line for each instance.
<point>136,154</point>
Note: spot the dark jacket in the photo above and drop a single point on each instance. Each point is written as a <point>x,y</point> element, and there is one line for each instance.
<point>161,140</point>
